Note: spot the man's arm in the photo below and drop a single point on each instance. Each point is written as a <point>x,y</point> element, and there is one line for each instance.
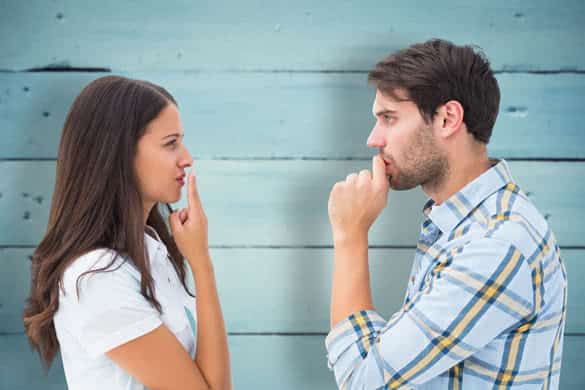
<point>474,294</point>
<point>351,290</point>
<point>354,204</point>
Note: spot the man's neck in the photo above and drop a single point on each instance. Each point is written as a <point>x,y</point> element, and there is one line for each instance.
<point>459,175</point>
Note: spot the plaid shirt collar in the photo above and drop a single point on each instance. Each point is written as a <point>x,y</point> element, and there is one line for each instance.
<point>450,213</point>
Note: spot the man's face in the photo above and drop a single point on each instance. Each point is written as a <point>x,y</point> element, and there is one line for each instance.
<point>406,143</point>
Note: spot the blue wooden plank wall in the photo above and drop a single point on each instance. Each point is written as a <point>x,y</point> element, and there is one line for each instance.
<point>276,108</point>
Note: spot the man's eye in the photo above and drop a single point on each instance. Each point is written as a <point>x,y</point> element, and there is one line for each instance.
<point>171,143</point>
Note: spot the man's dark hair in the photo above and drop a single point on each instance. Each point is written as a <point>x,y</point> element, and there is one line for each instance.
<point>436,71</point>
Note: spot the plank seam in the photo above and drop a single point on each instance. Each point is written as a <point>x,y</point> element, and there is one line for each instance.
<point>284,334</point>
<point>255,247</point>
<point>566,247</point>
<point>305,158</point>
<point>73,69</point>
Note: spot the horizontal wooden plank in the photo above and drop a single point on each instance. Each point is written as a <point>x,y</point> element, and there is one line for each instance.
<point>284,290</point>
<point>291,115</point>
<point>284,203</point>
<point>258,362</point>
<point>326,35</point>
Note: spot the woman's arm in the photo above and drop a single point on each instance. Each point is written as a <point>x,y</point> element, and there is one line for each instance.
<point>212,356</point>
<point>189,227</point>
<point>159,361</point>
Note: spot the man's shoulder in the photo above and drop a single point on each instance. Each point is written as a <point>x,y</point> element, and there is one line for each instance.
<point>515,219</point>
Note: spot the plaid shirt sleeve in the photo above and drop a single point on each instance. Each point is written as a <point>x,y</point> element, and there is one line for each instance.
<point>472,294</point>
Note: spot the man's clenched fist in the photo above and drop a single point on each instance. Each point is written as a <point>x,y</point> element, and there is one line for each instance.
<point>354,204</point>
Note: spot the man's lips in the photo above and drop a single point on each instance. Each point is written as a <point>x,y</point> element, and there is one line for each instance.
<point>387,162</point>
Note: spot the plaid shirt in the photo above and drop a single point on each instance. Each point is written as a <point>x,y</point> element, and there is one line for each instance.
<point>485,306</point>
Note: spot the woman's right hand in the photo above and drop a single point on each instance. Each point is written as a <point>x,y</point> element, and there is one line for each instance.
<point>189,226</point>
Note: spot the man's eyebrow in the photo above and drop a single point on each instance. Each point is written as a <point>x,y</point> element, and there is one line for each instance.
<point>384,112</point>
<point>173,135</point>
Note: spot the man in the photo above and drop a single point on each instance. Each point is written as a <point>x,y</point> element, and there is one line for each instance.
<point>485,306</point>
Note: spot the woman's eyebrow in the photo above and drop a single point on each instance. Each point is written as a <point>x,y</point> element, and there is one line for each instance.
<point>178,135</point>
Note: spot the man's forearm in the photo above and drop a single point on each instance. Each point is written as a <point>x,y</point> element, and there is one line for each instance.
<point>351,290</point>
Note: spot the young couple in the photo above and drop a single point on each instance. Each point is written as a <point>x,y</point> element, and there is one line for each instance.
<point>486,300</point>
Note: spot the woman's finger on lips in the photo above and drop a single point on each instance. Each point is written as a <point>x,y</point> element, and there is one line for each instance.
<point>193,190</point>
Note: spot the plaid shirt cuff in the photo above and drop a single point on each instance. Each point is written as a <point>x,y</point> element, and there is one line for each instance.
<point>353,337</point>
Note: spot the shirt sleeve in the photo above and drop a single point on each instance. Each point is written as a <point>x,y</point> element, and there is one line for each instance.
<point>109,310</point>
<point>472,294</point>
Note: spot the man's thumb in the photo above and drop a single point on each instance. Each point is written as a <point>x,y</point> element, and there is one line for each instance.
<point>379,172</point>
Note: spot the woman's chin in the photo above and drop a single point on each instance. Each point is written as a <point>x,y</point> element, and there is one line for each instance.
<point>170,198</point>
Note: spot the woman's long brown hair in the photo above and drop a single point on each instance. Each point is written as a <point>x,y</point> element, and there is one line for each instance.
<point>96,202</point>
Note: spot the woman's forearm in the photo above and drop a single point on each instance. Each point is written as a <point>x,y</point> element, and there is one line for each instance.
<point>212,355</point>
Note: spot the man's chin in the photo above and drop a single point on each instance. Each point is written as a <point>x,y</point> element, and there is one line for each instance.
<point>396,185</point>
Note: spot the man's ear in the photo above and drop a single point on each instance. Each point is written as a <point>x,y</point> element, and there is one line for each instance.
<point>449,118</point>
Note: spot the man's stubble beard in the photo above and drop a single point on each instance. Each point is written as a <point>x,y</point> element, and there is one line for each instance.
<point>424,163</point>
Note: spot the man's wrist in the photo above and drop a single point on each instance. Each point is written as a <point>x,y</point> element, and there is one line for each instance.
<point>350,240</point>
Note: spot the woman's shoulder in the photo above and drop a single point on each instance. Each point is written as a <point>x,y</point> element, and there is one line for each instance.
<point>93,263</point>
<point>94,259</point>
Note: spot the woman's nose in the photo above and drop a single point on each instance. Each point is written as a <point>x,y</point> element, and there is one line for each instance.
<point>186,159</point>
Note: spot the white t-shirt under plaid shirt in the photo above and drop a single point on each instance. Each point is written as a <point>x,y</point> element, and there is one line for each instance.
<point>110,311</point>
<point>485,306</point>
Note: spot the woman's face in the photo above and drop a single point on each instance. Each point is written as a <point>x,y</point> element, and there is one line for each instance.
<point>161,159</point>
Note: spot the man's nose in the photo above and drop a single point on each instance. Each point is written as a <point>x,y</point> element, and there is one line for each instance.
<point>376,138</point>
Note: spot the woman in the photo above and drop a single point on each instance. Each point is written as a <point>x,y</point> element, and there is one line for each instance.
<point>109,283</point>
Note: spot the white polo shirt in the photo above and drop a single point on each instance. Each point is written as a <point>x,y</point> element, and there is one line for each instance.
<point>111,311</point>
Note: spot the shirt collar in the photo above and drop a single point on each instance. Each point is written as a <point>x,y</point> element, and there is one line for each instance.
<point>455,209</point>
<point>152,243</point>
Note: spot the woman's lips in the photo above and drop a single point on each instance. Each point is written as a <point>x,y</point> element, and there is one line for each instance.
<point>181,181</point>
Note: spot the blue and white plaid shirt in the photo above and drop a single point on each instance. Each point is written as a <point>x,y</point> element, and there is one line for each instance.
<point>485,306</point>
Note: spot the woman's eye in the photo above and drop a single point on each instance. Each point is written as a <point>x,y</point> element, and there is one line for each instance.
<point>171,143</point>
